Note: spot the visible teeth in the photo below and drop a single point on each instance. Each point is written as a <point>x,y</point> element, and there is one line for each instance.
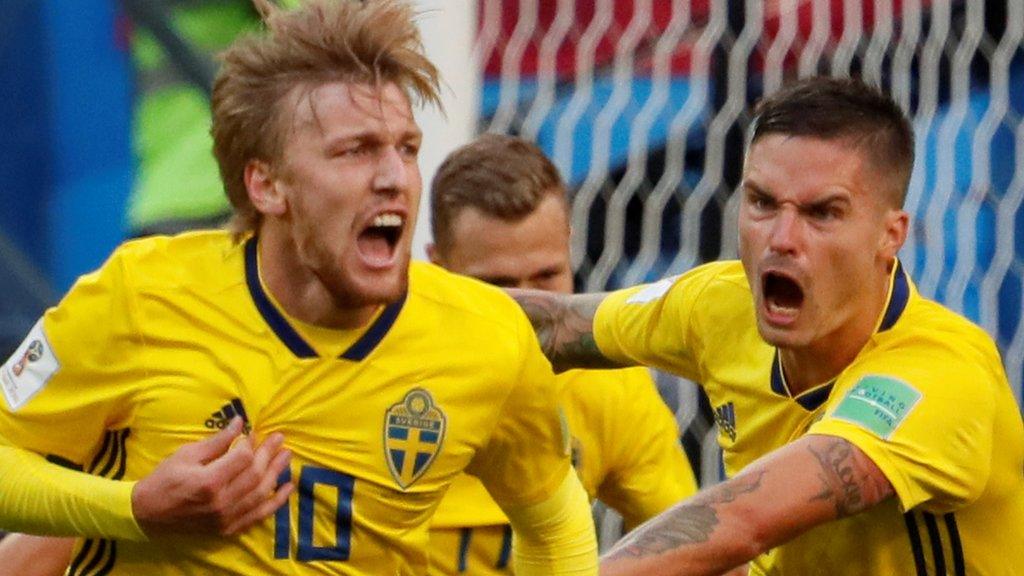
<point>388,220</point>
<point>780,309</point>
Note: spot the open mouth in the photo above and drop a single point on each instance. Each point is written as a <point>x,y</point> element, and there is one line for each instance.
<point>783,296</point>
<point>377,243</point>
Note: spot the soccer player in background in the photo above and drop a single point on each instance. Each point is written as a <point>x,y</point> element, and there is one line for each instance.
<point>499,213</point>
<point>305,326</point>
<point>870,430</point>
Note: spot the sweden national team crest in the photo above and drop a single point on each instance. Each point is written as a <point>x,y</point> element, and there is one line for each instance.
<point>413,433</point>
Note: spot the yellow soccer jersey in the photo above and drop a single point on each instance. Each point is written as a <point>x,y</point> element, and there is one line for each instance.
<point>174,336</point>
<point>926,399</point>
<point>626,452</point>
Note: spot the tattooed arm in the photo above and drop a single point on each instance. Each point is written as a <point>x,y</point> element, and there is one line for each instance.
<point>814,480</point>
<point>565,327</point>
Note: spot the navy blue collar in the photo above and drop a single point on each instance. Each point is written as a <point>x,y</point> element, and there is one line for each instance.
<point>897,300</point>
<point>812,400</point>
<point>287,334</point>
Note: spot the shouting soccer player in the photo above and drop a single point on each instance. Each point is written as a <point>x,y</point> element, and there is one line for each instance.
<point>499,213</point>
<point>872,431</point>
<point>305,327</point>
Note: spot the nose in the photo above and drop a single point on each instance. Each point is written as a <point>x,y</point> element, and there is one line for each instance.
<point>393,173</point>
<point>785,231</point>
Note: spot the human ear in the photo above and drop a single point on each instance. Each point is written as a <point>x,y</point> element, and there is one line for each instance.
<point>264,189</point>
<point>433,255</point>
<point>897,224</point>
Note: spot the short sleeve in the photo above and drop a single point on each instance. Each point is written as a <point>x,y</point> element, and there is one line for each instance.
<point>653,324</point>
<point>64,386</point>
<point>527,454</point>
<point>924,415</point>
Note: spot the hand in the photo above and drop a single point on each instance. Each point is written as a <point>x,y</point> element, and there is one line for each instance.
<point>222,484</point>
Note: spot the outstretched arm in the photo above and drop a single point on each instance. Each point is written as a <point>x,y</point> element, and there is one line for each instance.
<point>814,480</point>
<point>565,327</point>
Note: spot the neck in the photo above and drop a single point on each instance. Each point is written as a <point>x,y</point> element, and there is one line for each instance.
<point>826,357</point>
<point>298,289</point>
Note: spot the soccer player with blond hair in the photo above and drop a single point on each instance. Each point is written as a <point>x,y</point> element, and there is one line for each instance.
<point>292,396</point>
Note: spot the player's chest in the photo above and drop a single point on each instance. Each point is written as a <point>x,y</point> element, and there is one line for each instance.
<point>402,423</point>
<point>753,409</point>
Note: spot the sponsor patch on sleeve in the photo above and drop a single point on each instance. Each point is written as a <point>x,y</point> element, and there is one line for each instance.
<point>878,403</point>
<point>652,291</point>
<point>29,369</point>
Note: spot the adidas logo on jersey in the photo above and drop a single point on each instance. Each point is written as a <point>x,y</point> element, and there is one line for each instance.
<point>725,417</point>
<point>219,419</point>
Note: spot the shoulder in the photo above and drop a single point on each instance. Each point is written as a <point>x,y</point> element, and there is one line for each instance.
<point>717,283</point>
<point>167,262</point>
<point>620,393</point>
<point>464,300</point>
<point>933,355</point>
<point>932,339</point>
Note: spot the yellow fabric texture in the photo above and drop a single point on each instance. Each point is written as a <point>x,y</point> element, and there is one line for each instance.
<point>568,546</point>
<point>168,340</point>
<point>479,550</point>
<point>926,399</point>
<point>43,498</point>
<point>626,451</point>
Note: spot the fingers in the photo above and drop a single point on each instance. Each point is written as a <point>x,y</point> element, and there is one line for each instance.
<point>224,483</point>
<point>256,506</point>
<point>209,449</point>
<point>234,466</point>
<point>253,484</point>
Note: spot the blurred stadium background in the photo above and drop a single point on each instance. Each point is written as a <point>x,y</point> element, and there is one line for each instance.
<point>642,104</point>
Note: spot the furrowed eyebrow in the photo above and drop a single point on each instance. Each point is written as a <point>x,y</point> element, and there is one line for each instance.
<point>826,202</point>
<point>753,188</point>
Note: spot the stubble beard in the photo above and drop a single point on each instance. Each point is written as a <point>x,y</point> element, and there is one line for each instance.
<point>349,291</point>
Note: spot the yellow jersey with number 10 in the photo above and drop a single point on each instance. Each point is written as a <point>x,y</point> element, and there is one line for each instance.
<point>172,337</point>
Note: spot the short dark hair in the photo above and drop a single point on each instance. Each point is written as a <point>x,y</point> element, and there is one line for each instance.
<point>504,177</point>
<point>844,109</point>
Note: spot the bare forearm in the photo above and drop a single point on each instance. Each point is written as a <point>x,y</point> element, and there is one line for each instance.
<point>27,555</point>
<point>693,537</point>
<point>565,327</point>
<point>815,480</point>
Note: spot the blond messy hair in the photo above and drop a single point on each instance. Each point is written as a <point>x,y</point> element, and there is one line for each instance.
<point>322,41</point>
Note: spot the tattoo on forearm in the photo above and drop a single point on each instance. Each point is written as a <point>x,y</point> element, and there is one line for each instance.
<point>691,522</point>
<point>542,310</point>
<point>844,481</point>
<point>565,327</point>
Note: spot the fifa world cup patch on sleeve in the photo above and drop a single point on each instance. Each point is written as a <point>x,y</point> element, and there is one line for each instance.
<point>878,403</point>
<point>29,369</point>
<point>652,291</point>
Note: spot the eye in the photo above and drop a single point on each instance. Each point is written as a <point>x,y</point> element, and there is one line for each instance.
<point>410,150</point>
<point>353,150</point>
<point>825,213</point>
<point>760,202</point>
